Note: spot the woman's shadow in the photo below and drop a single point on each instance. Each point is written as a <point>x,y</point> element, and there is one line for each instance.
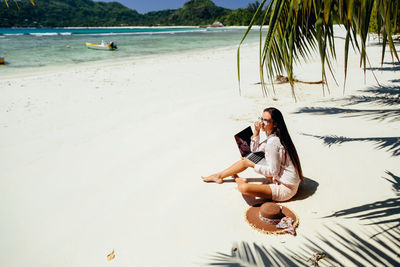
<point>306,189</point>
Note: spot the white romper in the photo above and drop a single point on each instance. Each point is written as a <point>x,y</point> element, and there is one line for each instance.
<point>285,179</point>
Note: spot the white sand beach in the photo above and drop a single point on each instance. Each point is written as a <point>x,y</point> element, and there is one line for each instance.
<point>95,158</point>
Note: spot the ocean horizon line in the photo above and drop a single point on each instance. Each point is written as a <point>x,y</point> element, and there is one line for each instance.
<point>108,30</point>
<point>137,27</point>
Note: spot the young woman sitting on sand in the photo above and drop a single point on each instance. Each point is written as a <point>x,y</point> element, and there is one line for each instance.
<point>281,166</point>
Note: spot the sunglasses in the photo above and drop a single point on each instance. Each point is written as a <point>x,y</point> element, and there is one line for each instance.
<point>265,122</point>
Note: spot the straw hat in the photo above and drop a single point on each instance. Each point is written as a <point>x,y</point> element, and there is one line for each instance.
<point>271,218</point>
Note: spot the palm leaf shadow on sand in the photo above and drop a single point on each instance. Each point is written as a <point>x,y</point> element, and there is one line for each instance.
<point>388,91</point>
<point>377,246</point>
<point>389,66</point>
<point>381,95</point>
<point>358,248</point>
<point>244,254</point>
<point>373,114</point>
<point>381,212</point>
<point>385,95</point>
<point>361,248</point>
<point>391,144</point>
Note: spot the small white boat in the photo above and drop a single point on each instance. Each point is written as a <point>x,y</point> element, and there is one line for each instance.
<point>1,60</point>
<point>102,46</point>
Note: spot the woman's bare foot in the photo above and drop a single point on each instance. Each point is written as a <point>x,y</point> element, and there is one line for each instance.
<point>212,178</point>
<point>240,180</point>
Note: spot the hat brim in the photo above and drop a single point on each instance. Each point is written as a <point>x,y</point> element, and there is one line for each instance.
<point>253,219</point>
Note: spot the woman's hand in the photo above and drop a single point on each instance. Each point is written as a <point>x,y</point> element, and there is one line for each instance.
<point>257,127</point>
<point>248,163</point>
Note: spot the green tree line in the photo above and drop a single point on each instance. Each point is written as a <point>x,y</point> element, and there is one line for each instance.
<point>87,13</point>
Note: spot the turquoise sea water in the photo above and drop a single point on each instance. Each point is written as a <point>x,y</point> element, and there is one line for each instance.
<point>26,49</point>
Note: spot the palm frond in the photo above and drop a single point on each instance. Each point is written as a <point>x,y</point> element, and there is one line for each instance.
<point>256,14</point>
<point>299,28</point>
<point>16,3</point>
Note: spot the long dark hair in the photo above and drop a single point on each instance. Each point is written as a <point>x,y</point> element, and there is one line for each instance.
<point>281,131</point>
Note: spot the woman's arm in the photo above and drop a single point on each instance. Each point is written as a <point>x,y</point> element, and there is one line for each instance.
<point>255,139</point>
<point>273,158</point>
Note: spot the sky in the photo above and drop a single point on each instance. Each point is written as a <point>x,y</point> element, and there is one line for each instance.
<point>144,6</point>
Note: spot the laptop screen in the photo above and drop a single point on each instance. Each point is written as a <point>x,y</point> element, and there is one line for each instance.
<point>243,141</point>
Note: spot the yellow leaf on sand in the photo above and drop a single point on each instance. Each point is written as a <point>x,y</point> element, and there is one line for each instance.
<point>111,256</point>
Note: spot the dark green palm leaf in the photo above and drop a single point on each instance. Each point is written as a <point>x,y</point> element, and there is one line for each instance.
<point>256,14</point>
<point>16,3</point>
<point>299,28</point>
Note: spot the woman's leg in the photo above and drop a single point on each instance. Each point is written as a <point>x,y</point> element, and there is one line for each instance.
<point>236,167</point>
<point>255,190</point>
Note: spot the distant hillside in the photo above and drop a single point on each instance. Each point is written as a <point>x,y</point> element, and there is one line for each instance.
<point>87,13</point>
<point>61,13</point>
<point>155,18</point>
<point>198,12</point>
<point>242,16</point>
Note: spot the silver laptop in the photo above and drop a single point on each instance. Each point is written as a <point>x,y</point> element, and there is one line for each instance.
<point>243,142</point>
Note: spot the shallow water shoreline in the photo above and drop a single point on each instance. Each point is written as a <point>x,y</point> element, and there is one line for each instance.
<point>51,49</point>
<point>33,71</point>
